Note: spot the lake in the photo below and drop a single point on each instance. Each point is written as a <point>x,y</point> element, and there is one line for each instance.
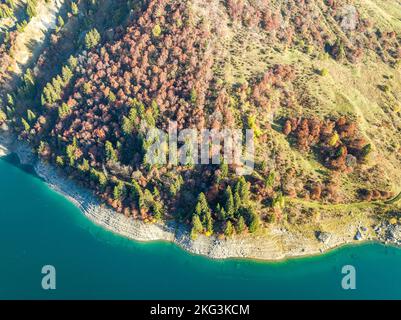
<point>39,227</point>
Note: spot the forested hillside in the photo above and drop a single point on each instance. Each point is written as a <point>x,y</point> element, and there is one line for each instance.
<point>318,82</point>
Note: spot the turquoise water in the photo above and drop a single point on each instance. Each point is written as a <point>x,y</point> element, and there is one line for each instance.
<point>39,227</point>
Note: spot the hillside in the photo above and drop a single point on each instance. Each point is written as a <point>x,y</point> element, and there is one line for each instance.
<point>318,82</point>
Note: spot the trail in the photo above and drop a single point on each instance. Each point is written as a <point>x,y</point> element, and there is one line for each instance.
<point>30,42</point>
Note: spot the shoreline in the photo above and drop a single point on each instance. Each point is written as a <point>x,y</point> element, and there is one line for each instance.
<point>277,246</point>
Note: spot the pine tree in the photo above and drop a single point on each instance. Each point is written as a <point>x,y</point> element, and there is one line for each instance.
<point>127,126</point>
<point>102,179</point>
<point>74,8</point>
<point>253,220</point>
<point>279,201</point>
<point>64,110</point>
<point>71,149</point>
<point>31,8</point>
<point>271,178</point>
<point>138,195</point>
<point>92,39</point>
<point>208,223</point>
<point>203,203</point>
<point>228,230</point>
<point>242,189</point>
<point>230,206</point>
<point>118,191</point>
<point>156,31</point>
<point>158,211</point>
<point>241,225</point>
<point>84,167</point>
<point>237,203</point>
<point>26,125</point>
<point>60,161</point>
<point>72,62</point>
<point>66,74</point>
<point>30,115</point>
<point>111,154</point>
<point>197,224</point>
<point>60,22</point>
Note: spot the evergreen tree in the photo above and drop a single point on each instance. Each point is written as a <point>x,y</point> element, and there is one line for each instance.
<point>30,115</point>
<point>72,62</point>
<point>84,167</point>
<point>111,154</point>
<point>253,219</point>
<point>279,201</point>
<point>26,125</point>
<point>60,161</point>
<point>242,188</point>
<point>138,194</point>
<point>208,223</point>
<point>74,8</point>
<point>64,110</point>
<point>118,191</point>
<point>237,203</point>
<point>228,230</point>
<point>92,39</point>
<point>66,74</point>
<point>241,225</point>
<point>127,126</point>
<point>271,178</point>
<point>158,211</point>
<point>60,22</point>
<point>197,224</point>
<point>31,8</point>
<point>156,31</point>
<point>230,206</point>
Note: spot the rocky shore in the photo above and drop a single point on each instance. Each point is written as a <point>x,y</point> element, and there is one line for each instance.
<point>277,244</point>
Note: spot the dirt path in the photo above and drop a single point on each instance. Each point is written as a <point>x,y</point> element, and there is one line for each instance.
<point>30,42</point>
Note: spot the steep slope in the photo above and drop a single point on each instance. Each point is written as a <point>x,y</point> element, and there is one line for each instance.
<point>318,82</point>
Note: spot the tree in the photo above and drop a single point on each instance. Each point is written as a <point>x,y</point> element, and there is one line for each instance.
<point>3,116</point>
<point>74,8</point>
<point>156,31</point>
<point>158,210</point>
<point>137,194</point>
<point>118,191</point>
<point>223,172</point>
<point>111,154</point>
<point>31,116</point>
<point>60,161</point>
<point>271,178</point>
<point>253,221</point>
<point>92,39</point>
<point>31,8</point>
<point>127,126</point>
<point>60,22</point>
<point>26,125</point>
<point>102,179</point>
<point>242,194</point>
<point>241,225</point>
<point>64,110</point>
<point>73,152</point>
<point>228,230</point>
<point>66,74</point>
<point>197,224</point>
<point>279,201</point>
<point>230,206</point>
<point>208,223</point>
<point>72,62</point>
<point>84,167</point>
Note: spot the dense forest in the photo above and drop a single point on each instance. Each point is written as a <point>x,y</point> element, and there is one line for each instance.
<point>101,83</point>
